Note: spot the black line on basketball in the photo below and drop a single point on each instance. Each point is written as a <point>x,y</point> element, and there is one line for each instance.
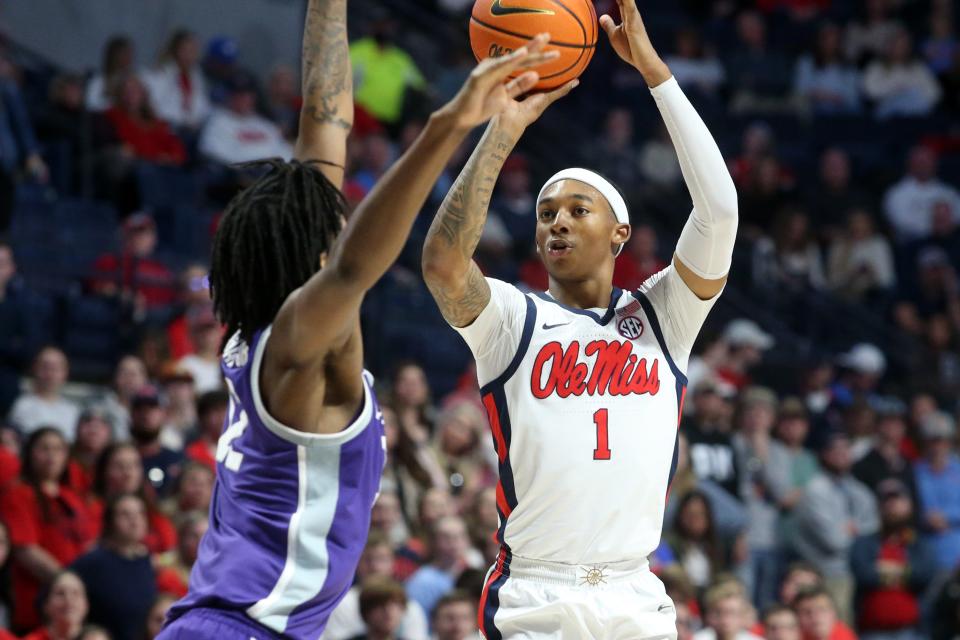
<point>526,37</point>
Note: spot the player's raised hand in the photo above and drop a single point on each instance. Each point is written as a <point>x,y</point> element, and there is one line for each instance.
<point>520,114</point>
<point>631,42</point>
<point>487,91</point>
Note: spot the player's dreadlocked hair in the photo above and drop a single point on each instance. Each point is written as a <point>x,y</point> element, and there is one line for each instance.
<point>269,242</point>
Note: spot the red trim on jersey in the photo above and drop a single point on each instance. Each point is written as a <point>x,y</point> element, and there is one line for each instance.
<point>494,418</point>
<point>683,396</point>
<point>496,573</point>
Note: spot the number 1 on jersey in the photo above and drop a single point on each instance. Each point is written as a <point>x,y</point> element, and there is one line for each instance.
<point>602,452</point>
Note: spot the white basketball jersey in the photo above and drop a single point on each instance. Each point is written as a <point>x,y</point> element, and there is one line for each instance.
<point>584,420</point>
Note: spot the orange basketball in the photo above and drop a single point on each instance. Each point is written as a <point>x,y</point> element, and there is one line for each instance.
<point>497,27</point>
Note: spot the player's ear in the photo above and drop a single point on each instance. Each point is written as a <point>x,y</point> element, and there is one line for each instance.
<point>621,234</point>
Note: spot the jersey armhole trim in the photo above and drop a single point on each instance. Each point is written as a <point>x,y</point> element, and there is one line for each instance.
<point>528,324</point>
<point>295,436</point>
<point>655,325</point>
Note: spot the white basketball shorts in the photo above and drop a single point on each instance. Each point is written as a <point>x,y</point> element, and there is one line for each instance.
<point>533,600</point>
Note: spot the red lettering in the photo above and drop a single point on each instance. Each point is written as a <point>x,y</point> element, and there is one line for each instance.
<point>615,371</point>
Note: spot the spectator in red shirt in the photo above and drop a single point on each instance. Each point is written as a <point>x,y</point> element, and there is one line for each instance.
<point>49,524</point>
<point>9,467</point>
<point>134,274</point>
<point>120,471</point>
<point>94,434</point>
<point>64,609</point>
<point>817,614</point>
<point>139,133</point>
<point>892,568</point>
<point>211,413</point>
<point>640,260</point>
<point>194,295</point>
<point>6,600</point>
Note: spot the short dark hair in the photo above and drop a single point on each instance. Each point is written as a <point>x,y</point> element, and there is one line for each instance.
<point>212,400</point>
<point>811,593</point>
<point>269,242</point>
<point>110,511</point>
<point>775,609</point>
<point>377,592</point>
<point>456,596</point>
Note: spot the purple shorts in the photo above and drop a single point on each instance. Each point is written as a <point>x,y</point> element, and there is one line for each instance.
<point>203,624</point>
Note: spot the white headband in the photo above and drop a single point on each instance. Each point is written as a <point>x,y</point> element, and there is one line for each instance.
<point>599,183</point>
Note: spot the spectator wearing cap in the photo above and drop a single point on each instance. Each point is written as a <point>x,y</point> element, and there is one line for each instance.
<point>862,368</point>
<point>885,458</point>
<point>64,607</point>
<point>119,573</point>
<point>135,275</point>
<point>746,342</point>
<point>49,524</point>
<point>220,67</point>
<point>834,510</point>
<point>128,377</point>
<point>211,415</point>
<point>194,295</point>
<point>94,434</point>
<point>938,483</point>
<point>791,464</point>
<point>204,364</point>
<point>376,562</point>
<point>383,72</point>
<point>161,465</point>
<point>177,386</point>
<point>909,204</point>
<point>178,90</point>
<point>237,133</point>
<point>762,489</point>
<point>819,616</point>
<point>45,404</point>
<point>892,569</point>
<point>712,454</point>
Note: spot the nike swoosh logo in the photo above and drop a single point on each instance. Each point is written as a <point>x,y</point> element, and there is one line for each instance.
<point>547,327</point>
<point>498,9</point>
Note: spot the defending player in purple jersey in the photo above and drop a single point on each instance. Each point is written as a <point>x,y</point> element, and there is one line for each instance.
<point>300,456</point>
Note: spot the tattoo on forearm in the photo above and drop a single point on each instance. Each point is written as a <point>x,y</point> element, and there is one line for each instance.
<point>460,308</point>
<point>459,225</point>
<point>326,63</point>
<point>464,211</point>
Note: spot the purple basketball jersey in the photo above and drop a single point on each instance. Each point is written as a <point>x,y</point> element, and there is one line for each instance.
<point>290,511</point>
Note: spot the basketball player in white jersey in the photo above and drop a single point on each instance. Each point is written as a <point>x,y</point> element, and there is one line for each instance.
<point>584,383</point>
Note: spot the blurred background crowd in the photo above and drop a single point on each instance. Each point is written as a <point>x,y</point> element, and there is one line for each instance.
<point>818,491</point>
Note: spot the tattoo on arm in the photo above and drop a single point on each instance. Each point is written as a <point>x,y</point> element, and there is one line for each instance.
<point>459,224</point>
<point>462,306</point>
<point>327,80</point>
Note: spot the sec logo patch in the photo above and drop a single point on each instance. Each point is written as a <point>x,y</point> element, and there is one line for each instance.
<point>630,328</point>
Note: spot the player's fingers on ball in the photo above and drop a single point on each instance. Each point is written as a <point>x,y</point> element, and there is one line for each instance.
<point>556,94</point>
<point>522,83</point>
<point>608,25</point>
<point>538,42</point>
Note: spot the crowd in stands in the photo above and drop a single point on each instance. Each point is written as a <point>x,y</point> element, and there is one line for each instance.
<point>817,494</point>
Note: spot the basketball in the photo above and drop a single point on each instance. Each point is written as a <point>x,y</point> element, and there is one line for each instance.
<point>497,27</point>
